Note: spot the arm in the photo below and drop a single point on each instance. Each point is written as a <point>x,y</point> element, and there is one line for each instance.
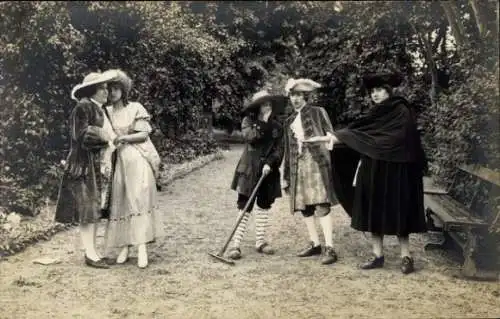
<point>137,137</point>
<point>275,158</point>
<point>140,130</point>
<point>251,131</point>
<point>286,159</point>
<point>327,126</point>
<point>79,125</point>
<point>87,137</point>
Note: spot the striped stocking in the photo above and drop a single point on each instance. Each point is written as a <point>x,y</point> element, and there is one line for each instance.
<point>240,231</point>
<point>261,223</point>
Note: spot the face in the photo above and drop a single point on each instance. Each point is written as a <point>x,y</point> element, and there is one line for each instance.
<point>115,92</point>
<point>379,95</point>
<point>298,100</point>
<point>101,94</point>
<point>265,108</point>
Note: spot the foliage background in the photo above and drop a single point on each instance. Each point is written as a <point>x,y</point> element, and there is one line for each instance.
<point>192,58</point>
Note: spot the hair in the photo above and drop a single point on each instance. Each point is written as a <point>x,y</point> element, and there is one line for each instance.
<point>87,91</point>
<point>253,114</point>
<point>386,87</point>
<point>308,96</point>
<point>122,88</point>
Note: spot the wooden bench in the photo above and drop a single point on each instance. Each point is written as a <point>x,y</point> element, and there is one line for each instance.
<point>464,213</point>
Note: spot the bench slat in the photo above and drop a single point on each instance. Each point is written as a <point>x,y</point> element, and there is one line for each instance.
<point>450,212</point>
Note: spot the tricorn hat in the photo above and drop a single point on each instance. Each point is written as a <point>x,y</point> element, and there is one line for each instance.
<point>301,85</point>
<point>90,79</point>
<point>373,80</point>
<point>258,99</point>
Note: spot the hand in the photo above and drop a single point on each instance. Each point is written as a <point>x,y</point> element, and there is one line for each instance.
<point>318,139</point>
<point>120,140</point>
<point>265,116</point>
<point>286,187</point>
<point>266,169</point>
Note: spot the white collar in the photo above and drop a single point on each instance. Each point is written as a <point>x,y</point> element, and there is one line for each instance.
<point>97,103</point>
<point>301,108</point>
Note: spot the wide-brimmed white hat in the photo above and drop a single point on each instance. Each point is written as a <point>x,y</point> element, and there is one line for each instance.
<point>301,85</point>
<point>92,78</point>
<point>258,99</point>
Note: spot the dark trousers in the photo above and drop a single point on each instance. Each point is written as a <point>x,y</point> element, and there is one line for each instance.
<point>264,201</point>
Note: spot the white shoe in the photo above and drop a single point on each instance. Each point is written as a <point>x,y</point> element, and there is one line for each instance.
<point>123,256</point>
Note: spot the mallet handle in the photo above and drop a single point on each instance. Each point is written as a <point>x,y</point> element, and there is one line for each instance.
<point>250,199</point>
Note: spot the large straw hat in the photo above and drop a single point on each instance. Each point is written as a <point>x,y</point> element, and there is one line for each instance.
<point>258,99</point>
<point>90,79</point>
<point>301,85</point>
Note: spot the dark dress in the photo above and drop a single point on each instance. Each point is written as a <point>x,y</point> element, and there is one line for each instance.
<point>388,196</point>
<point>264,145</point>
<point>79,193</point>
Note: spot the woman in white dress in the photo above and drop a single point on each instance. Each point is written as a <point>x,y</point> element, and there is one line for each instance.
<point>133,219</point>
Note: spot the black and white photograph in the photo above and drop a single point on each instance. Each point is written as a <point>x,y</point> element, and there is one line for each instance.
<point>252,159</point>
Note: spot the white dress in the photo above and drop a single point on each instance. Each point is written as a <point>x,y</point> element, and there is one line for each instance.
<point>134,218</point>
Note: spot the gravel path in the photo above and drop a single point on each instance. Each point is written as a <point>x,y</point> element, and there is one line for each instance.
<point>182,281</point>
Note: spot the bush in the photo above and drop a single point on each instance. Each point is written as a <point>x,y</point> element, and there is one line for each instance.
<point>186,148</point>
<point>178,68</point>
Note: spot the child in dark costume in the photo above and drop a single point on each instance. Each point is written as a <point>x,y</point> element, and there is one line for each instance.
<point>263,154</point>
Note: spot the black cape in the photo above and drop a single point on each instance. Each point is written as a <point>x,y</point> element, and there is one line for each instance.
<point>388,132</point>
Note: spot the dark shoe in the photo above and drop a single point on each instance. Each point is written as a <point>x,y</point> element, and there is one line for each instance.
<point>96,264</point>
<point>407,265</point>
<point>375,262</point>
<point>310,250</point>
<point>234,253</point>
<point>330,256</point>
<point>265,249</point>
<point>109,261</point>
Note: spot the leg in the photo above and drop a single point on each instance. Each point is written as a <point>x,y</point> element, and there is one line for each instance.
<point>469,268</point>
<point>378,244</point>
<point>235,252</point>
<point>404,243</point>
<point>122,256</point>
<point>378,260</point>
<point>445,244</point>
<point>261,223</point>
<point>142,256</point>
<point>87,232</point>
<point>406,262</point>
<point>314,248</point>
<point>92,259</point>
<point>326,221</point>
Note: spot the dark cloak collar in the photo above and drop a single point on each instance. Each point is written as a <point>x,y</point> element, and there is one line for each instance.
<point>386,132</point>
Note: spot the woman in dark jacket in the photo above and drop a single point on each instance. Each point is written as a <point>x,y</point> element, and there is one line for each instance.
<point>263,154</point>
<point>387,185</point>
<point>79,199</point>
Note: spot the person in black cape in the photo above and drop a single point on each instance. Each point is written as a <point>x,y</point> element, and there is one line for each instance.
<point>378,163</point>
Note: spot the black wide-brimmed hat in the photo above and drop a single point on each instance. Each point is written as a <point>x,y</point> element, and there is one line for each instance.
<point>260,98</point>
<point>373,80</point>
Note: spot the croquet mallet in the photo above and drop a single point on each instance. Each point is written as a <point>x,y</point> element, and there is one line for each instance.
<point>220,255</point>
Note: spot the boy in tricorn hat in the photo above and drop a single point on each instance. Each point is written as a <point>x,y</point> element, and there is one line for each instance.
<point>307,169</point>
<point>387,197</point>
<point>263,154</point>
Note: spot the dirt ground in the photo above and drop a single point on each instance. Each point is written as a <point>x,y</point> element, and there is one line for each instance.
<point>183,281</point>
